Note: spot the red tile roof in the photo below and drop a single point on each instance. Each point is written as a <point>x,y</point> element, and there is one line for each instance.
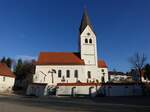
<point>102,64</point>
<point>42,84</point>
<point>59,58</point>
<point>5,71</point>
<point>77,84</point>
<point>99,84</point>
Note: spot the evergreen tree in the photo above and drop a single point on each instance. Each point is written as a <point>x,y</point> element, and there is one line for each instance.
<point>24,73</point>
<point>9,62</point>
<point>18,69</point>
<point>3,60</point>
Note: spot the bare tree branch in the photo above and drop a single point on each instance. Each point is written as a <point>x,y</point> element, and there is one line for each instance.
<point>138,61</point>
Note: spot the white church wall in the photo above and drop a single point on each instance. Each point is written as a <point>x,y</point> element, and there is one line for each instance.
<point>104,72</point>
<point>42,74</point>
<point>94,74</point>
<point>6,83</point>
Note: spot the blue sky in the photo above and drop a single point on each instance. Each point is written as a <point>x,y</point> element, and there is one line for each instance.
<point>28,27</point>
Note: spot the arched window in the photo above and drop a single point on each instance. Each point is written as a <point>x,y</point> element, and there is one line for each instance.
<point>68,73</point>
<point>76,73</point>
<point>59,73</point>
<point>90,41</point>
<point>102,79</point>
<point>86,40</point>
<point>89,74</point>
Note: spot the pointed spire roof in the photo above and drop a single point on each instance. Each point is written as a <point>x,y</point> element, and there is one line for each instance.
<point>85,21</point>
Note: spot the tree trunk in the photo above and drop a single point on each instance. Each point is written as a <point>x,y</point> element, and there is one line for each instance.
<point>140,74</point>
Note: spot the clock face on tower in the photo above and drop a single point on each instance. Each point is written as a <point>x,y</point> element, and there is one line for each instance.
<point>88,34</point>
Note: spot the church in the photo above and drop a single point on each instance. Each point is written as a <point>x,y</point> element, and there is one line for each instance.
<point>71,73</point>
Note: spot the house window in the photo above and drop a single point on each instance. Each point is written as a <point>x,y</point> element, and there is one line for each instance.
<point>76,73</point>
<point>35,77</point>
<point>89,74</point>
<point>59,73</point>
<point>90,40</point>
<point>86,40</point>
<point>4,79</point>
<point>68,73</point>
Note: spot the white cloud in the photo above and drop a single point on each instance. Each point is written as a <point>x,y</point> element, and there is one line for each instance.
<point>25,57</point>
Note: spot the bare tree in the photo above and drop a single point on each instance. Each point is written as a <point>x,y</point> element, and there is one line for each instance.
<point>138,62</point>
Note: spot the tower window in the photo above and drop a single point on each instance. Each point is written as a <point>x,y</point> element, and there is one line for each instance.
<point>76,73</point>
<point>102,70</point>
<point>68,73</point>
<point>86,40</point>
<point>89,74</point>
<point>90,40</point>
<point>59,73</point>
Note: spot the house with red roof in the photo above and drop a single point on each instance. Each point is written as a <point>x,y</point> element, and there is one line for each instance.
<point>53,68</point>
<point>7,79</point>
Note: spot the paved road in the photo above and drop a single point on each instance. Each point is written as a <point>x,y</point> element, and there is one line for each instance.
<point>65,104</point>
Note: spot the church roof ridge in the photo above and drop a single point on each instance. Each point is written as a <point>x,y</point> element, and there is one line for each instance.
<point>59,58</point>
<point>102,64</point>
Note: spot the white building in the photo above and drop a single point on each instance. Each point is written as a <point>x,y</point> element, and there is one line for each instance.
<point>119,76</point>
<point>54,68</point>
<point>7,79</point>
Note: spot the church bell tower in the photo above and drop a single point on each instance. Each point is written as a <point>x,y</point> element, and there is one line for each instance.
<point>88,47</point>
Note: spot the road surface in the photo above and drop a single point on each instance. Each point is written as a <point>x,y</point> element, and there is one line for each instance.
<point>66,104</point>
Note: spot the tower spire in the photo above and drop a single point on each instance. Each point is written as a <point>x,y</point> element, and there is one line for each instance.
<point>85,21</point>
